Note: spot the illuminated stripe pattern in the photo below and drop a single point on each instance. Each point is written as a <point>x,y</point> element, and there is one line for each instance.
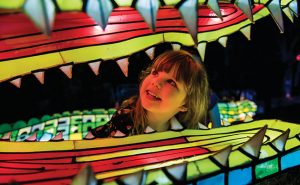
<point>76,37</point>
<point>112,158</point>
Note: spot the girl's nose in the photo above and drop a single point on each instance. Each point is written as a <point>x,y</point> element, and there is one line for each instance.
<point>157,83</point>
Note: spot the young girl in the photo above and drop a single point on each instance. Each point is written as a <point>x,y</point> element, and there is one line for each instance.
<point>173,94</point>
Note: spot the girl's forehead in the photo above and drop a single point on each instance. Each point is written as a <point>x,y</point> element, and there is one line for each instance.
<point>171,71</point>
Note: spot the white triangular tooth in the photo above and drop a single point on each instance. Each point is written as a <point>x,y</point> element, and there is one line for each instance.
<point>42,13</point>
<point>274,8</point>
<point>294,7</point>
<point>150,52</point>
<point>67,70</point>
<point>201,49</point>
<point>119,134</point>
<point>100,11</point>
<point>177,171</point>
<point>253,145</point>
<point>175,125</point>
<point>176,47</point>
<point>223,41</point>
<point>16,82</point>
<point>280,141</point>
<point>222,156</point>
<point>288,13</point>
<point>245,6</point>
<point>33,137</point>
<point>248,118</point>
<point>189,13</point>
<point>40,75</point>
<point>133,179</point>
<point>246,31</point>
<point>6,137</point>
<point>58,137</point>
<point>123,64</point>
<point>89,135</point>
<point>214,6</point>
<point>148,10</point>
<point>95,67</point>
<point>202,126</point>
<point>149,130</point>
<point>85,176</point>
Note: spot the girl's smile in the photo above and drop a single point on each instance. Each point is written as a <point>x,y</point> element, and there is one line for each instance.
<point>152,96</point>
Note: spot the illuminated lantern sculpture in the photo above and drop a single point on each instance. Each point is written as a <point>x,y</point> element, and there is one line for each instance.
<point>64,33</point>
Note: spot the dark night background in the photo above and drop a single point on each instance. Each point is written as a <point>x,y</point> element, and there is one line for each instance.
<point>260,64</point>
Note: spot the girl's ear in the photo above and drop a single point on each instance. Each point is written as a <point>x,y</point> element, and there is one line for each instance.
<point>183,108</point>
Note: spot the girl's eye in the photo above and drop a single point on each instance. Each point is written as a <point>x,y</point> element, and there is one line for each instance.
<point>171,82</point>
<point>154,73</point>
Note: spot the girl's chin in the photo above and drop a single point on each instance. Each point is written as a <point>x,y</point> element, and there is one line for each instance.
<point>149,105</point>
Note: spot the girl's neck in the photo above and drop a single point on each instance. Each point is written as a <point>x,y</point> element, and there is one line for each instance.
<point>158,122</point>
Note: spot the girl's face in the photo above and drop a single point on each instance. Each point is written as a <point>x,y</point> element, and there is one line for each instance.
<point>161,93</point>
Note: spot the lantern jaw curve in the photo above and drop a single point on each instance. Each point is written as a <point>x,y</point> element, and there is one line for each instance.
<point>248,151</point>
<point>84,33</point>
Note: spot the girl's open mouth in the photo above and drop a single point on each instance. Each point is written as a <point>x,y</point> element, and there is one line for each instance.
<point>152,96</point>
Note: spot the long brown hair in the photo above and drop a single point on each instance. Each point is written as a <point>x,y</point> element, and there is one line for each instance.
<point>194,77</point>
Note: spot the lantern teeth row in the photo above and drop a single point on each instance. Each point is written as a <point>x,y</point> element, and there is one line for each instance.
<point>42,13</point>
<point>251,148</point>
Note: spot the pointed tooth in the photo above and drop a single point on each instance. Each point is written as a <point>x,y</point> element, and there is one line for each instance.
<point>42,13</point>
<point>100,11</point>
<point>223,41</point>
<point>89,136</point>
<point>149,130</point>
<point>6,137</point>
<point>134,179</point>
<point>294,7</point>
<point>150,52</point>
<point>189,12</point>
<point>58,137</point>
<point>119,134</point>
<point>275,10</point>
<point>176,47</point>
<point>16,82</point>
<point>248,118</point>
<point>177,171</point>
<point>214,6</point>
<point>40,75</point>
<point>67,70</point>
<point>288,13</point>
<point>280,141</point>
<point>123,64</point>
<point>85,176</point>
<point>222,156</point>
<point>95,67</point>
<point>253,145</point>
<point>148,9</point>
<point>245,6</point>
<point>246,31</point>
<point>201,49</point>
<point>33,137</point>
